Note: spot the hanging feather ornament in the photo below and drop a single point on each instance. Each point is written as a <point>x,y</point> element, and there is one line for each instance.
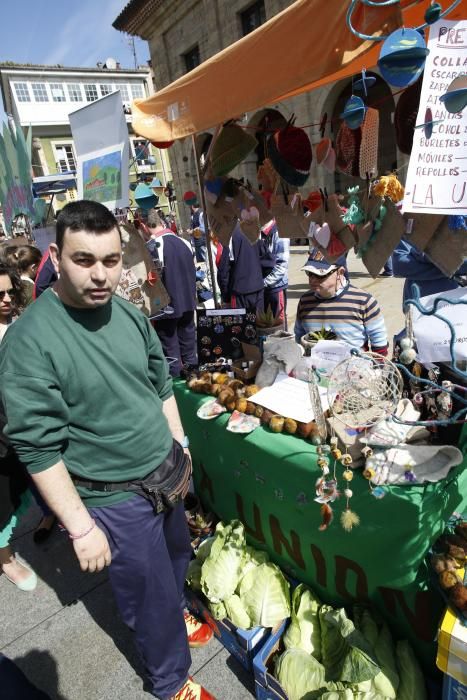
<point>349,520</point>
<point>327,516</point>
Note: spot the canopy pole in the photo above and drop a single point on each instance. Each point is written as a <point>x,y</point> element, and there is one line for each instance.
<point>200,177</point>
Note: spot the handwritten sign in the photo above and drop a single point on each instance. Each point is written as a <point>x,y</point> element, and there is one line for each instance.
<point>436,178</point>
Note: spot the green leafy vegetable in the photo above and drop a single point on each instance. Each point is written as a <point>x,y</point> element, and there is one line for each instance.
<point>265,595</point>
<point>193,575</point>
<point>346,654</point>
<point>300,674</point>
<point>386,682</point>
<point>218,610</point>
<point>237,613</point>
<point>304,629</point>
<point>222,569</point>
<point>412,684</point>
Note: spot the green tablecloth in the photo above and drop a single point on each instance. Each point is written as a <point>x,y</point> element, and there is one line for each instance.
<point>268,482</point>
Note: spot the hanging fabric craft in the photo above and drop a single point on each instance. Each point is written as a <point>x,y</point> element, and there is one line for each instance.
<point>368,161</point>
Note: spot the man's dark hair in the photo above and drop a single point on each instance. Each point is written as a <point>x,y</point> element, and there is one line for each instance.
<point>84,216</point>
<point>155,219</point>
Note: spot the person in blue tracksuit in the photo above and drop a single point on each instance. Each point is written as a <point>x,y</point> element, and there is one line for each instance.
<point>239,274</point>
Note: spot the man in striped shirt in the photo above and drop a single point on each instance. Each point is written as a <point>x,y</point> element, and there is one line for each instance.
<point>335,304</point>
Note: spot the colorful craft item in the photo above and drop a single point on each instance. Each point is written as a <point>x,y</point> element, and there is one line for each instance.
<point>322,235</point>
<point>230,148</point>
<point>389,186</point>
<point>289,150</point>
<point>145,197</point>
<point>326,155</point>
<point>433,12</point>
<point>354,112</point>
<point>402,57</point>
<point>348,150</point>
<point>368,158</point>
<point>428,123</point>
<point>313,201</point>
<point>162,144</point>
<point>213,189</point>
<point>455,98</point>
<point>190,198</point>
<point>364,83</point>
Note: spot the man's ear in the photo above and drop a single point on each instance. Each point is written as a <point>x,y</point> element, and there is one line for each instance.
<point>55,256</point>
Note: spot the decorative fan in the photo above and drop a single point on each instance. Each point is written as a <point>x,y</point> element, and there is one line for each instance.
<point>317,406</point>
<point>364,389</point>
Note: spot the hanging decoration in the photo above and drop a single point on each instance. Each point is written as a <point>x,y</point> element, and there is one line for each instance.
<point>354,112</point>
<point>402,57</point>
<point>455,97</point>
<point>364,83</point>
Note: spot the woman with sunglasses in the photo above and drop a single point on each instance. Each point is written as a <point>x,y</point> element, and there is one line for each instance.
<point>14,494</point>
<point>11,297</point>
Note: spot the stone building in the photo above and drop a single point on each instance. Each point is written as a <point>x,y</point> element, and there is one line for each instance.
<point>184,33</point>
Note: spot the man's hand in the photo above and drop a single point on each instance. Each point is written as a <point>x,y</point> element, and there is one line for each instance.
<point>93,551</point>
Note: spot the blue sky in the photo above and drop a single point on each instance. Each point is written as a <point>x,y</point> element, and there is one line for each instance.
<point>66,32</point>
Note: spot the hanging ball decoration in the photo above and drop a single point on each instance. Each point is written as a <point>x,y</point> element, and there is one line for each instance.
<point>455,98</point>
<point>406,344</point>
<point>369,473</point>
<point>433,12</point>
<point>354,112</point>
<point>348,493</point>
<point>347,475</point>
<point>402,57</point>
<point>408,356</point>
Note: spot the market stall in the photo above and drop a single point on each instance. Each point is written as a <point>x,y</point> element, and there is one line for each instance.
<point>268,481</point>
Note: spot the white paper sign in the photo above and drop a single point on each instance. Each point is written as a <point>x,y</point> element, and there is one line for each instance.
<point>433,335</point>
<point>290,398</point>
<point>436,179</point>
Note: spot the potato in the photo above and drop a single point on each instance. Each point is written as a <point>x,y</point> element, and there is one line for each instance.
<point>290,426</point>
<point>215,389</point>
<point>259,411</point>
<point>251,390</point>
<point>240,405</point>
<point>250,408</point>
<point>235,384</point>
<point>266,417</point>
<point>304,429</point>
<point>206,376</point>
<point>231,405</point>
<point>277,424</point>
<point>226,395</point>
<point>222,378</point>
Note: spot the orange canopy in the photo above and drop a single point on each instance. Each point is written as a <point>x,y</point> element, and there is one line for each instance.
<point>302,48</point>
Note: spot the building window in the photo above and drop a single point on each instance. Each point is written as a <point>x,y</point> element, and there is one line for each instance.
<point>22,92</point>
<point>90,91</point>
<point>58,93</point>
<point>39,91</point>
<point>74,92</point>
<point>192,58</point>
<point>253,17</point>
<point>137,90</point>
<point>64,157</point>
<point>142,152</point>
<point>106,89</point>
<point>124,92</point>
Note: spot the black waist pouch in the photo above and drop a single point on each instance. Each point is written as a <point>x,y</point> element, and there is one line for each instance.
<point>168,484</point>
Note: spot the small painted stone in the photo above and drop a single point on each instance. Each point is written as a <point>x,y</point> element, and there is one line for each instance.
<point>346,460</point>
<point>369,473</point>
<point>325,470</point>
<point>333,441</point>
<point>348,493</point>
<point>316,440</point>
<point>378,492</point>
<point>347,475</point>
<point>322,462</point>
<point>367,451</point>
<point>336,453</point>
<point>326,448</point>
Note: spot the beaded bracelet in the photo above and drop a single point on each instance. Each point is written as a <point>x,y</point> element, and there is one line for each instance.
<point>83,534</point>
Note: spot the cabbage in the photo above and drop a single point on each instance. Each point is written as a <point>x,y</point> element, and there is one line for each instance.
<point>193,575</point>
<point>237,613</point>
<point>300,674</point>
<point>204,549</point>
<point>304,630</point>
<point>380,640</point>
<point>253,558</point>
<point>265,595</point>
<point>412,684</point>
<point>345,652</point>
<point>222,568</point>
<point>218,610</point>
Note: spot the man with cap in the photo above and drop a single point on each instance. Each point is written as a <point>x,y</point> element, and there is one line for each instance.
<point>196,230</point>
<point>333,303</point>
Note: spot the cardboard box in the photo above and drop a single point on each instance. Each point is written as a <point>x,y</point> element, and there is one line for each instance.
<point>266,686</point>
<point>251,353</point>
<point>243,644</point>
